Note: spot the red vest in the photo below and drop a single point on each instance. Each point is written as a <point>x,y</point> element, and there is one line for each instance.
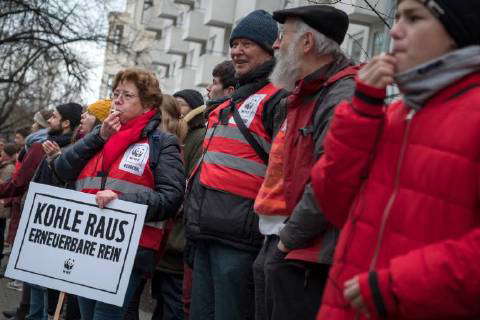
<point>130,173</point>
<point>230,164</point>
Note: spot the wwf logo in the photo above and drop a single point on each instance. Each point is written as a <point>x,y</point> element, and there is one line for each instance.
<point>68,265</point>
<point>138,151</point>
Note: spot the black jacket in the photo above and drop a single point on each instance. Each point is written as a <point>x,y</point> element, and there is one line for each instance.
<point>225,217</point>
<point>167,167</point>
<point>165,161</point>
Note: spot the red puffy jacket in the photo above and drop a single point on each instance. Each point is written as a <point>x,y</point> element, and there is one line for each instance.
<point>405,188</point>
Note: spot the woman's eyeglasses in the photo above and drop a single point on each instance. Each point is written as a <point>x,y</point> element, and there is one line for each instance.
<point>127,96</point>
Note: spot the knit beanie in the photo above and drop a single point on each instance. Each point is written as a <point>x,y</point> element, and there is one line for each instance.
<point>38,118</point>
<point>461,19</point>
<point>259,27</point>
<point>192,97</point>
<point>100,108</point>
<point>70,111</point>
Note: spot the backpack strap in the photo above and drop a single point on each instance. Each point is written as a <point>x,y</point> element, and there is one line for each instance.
<point>247,134</point>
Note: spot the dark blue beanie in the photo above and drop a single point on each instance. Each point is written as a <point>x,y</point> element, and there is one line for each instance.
<point>192,97</point>
<point>259,27</point>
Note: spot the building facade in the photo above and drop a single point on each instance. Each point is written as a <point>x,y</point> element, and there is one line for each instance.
<point>181,41</point>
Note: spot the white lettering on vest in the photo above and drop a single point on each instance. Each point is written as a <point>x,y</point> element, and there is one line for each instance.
<point>135,158</point>
<point>248,109</point>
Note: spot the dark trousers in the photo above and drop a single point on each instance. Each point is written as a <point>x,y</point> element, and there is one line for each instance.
<point>3,225</point>
<point>187,290</point>
<point>222,283</point>
<point>72,311</point>
<point>167,290</point>
<point>132,310</point>
<point>286,289</point>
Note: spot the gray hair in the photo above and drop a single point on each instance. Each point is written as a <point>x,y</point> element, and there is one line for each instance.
<point>323,44</point>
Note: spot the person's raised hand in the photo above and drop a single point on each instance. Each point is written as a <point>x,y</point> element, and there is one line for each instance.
<point>110,125</point>
<point>379,71</point>
<point>51,149</point>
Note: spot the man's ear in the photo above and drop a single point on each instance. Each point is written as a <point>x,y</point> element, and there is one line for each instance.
<point>65,124</point>
<point>308,42</point>
<point>229,90</point>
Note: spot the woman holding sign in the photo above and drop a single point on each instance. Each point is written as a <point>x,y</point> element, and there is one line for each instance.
<point>127,158</point>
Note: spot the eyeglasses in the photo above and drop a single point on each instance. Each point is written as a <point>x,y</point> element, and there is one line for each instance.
<point>281,33</point>
<point>126,95</point>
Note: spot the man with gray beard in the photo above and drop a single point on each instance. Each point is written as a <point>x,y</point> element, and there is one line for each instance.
<point>291,270</point>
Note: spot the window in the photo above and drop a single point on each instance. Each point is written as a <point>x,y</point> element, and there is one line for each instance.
<point>117,38</point>
<point>180,17</point>
<point>211,43</point>
<point>158,35</point>
<point>147,4</point>
<point>110,78</point>
<point>356,51</point>
<point>173,69</point>
<point>378,43</point>
<point>189,61</point>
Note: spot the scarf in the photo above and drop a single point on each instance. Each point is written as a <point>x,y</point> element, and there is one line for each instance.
<point>34,137</point>
<point>128,134</point>
<point>421,83</point>
<point>62,139</point>
<point>260,74</point>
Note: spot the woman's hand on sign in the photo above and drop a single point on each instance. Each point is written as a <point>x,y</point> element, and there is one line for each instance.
<point>110,126</point>
<point>104,197</point>
<point>379,72</point>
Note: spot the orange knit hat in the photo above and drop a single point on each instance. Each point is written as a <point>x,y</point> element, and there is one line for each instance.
<point>100,109</point>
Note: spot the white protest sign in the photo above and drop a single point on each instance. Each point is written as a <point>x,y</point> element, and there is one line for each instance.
<point>65,242</point>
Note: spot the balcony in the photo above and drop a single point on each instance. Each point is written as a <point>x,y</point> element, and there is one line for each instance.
<point>173,41</point>
<point>220,13</point>
<point>158,54</point>
<point>190,3</point>
<point>185,78</point>
<point>194,28</point>
<point>166,9</point>
<point>359,12</point>
<point>151,20</point>
<point>207,62</point>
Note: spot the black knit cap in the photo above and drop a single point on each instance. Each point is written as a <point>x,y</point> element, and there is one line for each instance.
<point>70,111</point>
<point>192,97</point>
<point>461,19</point>
<point>259,27</point>
<point>330,21</point>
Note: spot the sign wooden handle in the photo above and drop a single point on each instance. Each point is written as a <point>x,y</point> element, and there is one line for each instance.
<point>58,310</point>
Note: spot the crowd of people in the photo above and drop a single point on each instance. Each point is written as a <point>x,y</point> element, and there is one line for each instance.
<point>297,190</point>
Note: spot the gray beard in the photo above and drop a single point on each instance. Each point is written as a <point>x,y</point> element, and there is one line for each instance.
<point>287,69</point>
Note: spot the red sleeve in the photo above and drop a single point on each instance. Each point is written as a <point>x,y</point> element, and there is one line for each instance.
<point>441,280</point>
<point>16,186</point>
<point>337,176</point>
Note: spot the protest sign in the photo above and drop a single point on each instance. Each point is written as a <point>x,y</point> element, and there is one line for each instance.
<point>65,242</point>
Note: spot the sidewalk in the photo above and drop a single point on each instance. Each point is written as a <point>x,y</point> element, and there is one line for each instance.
<point>10,298</point>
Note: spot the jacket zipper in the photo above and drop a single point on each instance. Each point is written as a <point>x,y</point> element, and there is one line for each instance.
<point>393,196</point>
